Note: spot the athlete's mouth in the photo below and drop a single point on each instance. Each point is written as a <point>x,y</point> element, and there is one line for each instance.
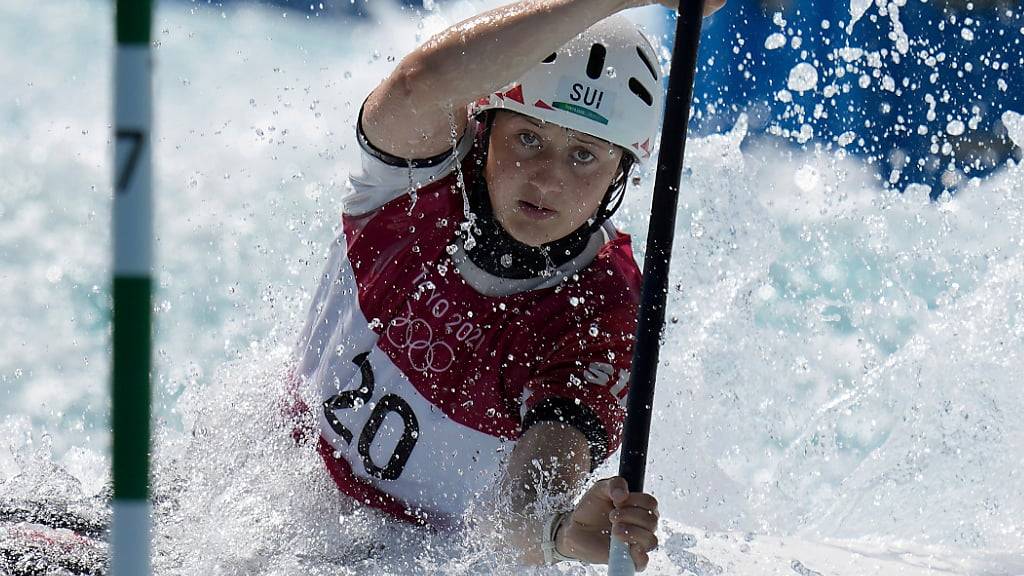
<point>535,210</point>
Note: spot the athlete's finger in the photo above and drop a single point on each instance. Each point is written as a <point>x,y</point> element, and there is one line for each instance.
<point>638,500</point>
<point>635,516</point>
<point>640,558</point>
<point>710,7</point>
<point>713,6</point>
<point>617,489</point>
<point>635,535</point>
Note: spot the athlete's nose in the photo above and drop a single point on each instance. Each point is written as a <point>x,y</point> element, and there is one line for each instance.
<point>547,176</point>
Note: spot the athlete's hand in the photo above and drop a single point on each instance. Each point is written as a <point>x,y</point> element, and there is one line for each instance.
<point>610,508</point>
<point>710,7</point>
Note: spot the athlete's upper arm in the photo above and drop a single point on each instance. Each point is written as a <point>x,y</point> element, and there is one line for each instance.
<point>405,117</point>
<point>382,177</point>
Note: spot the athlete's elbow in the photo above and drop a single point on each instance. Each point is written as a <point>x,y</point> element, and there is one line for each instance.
<point>440,82</point>
<point>407,77</point>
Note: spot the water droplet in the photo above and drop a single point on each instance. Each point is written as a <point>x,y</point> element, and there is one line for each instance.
<point>803,77</point>
<point>696,229</point>
<point>54,274</point>
<point>807,178</point>
<point>775,41</point>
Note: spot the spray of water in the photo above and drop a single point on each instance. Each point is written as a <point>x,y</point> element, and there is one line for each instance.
<point>839,369</point>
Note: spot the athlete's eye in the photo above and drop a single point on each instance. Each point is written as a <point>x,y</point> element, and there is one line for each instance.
<point>583,156</point>
<point>528,139</point>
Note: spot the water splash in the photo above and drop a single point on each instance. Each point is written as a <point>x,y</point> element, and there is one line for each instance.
<point>857,10</point>
<point>803,77</point>
<point>836,348</point>
<point>1014,123</point>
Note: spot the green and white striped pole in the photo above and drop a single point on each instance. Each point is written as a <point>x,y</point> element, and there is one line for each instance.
<point>133,263</point>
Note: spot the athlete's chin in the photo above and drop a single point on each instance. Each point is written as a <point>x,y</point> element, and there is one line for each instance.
<point>532,233</point>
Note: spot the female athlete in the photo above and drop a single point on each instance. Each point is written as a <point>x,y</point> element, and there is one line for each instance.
<point>472,332</point>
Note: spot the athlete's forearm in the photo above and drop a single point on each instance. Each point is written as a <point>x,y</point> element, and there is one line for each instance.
<point>546,470</point>
<point>487,51</point>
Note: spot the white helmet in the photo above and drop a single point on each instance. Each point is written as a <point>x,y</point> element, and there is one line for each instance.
<point>606,82</point>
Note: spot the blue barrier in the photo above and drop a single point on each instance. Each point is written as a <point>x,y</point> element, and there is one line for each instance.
<point>925,108</point>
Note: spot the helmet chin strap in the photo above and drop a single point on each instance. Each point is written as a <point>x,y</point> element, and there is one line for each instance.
<point>498,252</point>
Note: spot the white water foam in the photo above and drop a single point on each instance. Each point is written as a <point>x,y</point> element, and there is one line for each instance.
<point>838,372</point>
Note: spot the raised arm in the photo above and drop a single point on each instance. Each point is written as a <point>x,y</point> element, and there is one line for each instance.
<point>410,114</point>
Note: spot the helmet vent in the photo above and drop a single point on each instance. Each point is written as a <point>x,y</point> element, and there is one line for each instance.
<point>640,91</point>
<point>596,63</point>
<point>647,62</point>
<point>551,58</point>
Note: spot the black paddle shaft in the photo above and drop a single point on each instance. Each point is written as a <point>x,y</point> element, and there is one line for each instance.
<point>651,322</point>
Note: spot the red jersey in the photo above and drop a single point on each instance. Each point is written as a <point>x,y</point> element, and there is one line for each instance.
<point>428,369</point>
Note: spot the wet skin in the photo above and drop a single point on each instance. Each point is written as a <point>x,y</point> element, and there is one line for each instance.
<point>545,180</point>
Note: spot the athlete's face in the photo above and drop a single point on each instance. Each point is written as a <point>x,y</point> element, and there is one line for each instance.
<point>544,180</point>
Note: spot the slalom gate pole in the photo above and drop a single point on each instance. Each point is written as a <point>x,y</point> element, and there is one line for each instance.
<point>132,289</point>
<point>661,232</point>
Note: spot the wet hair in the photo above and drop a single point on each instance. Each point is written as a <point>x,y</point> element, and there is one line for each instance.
<point>616,190</point>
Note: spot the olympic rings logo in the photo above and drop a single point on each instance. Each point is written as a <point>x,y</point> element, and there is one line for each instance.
<point>417,337</point>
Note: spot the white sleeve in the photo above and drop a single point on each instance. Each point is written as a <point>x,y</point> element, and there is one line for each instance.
<point>382,177</point>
